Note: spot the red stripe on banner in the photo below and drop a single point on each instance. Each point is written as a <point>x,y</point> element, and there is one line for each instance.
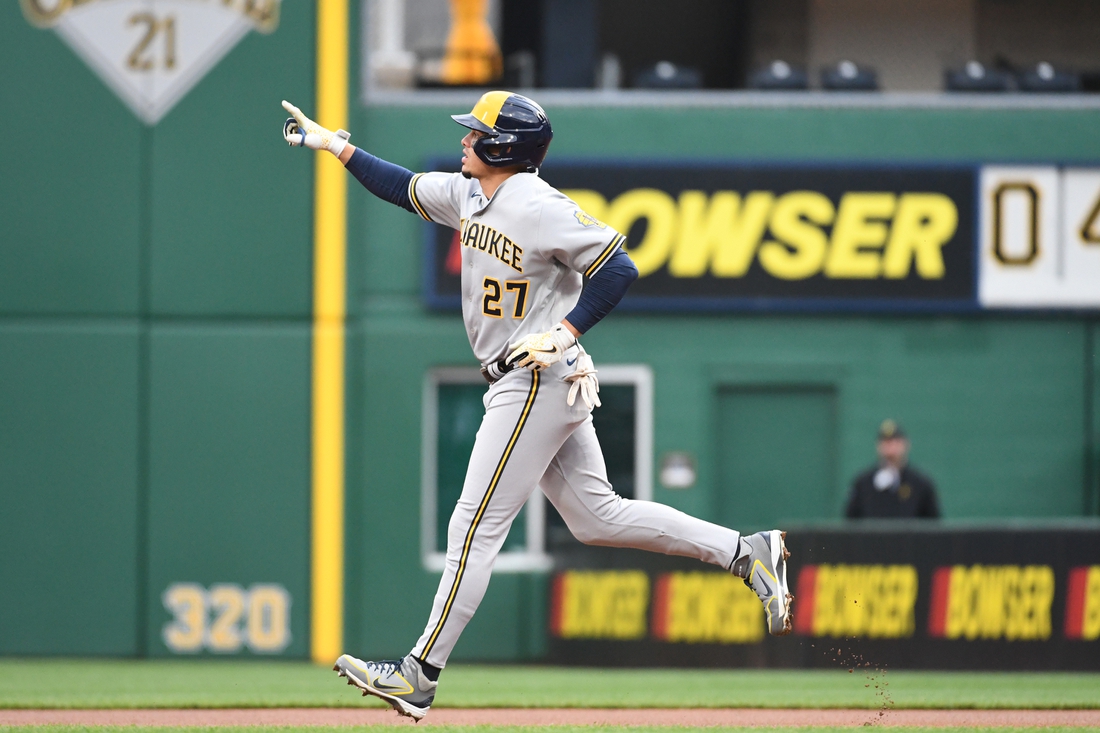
<point>807,588</point>
<point>659,621</point>
<point>1075,602</point>
<point>557,594</point>
<point>454,256</point>
<point>937,607</point>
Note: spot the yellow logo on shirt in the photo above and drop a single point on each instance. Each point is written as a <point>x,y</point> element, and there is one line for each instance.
<point>588,221</point>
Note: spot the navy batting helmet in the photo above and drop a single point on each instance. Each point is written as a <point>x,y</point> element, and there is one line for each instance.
<point>517,131</point>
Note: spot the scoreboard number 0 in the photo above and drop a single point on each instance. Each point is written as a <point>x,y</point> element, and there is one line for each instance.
<point>226,618</point>
<point>1007,201</point>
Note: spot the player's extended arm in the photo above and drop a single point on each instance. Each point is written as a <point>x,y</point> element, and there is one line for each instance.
<point>385,180</point>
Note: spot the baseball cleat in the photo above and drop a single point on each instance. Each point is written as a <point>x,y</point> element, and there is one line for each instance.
<point>764,569</point>
<point>400,682</point>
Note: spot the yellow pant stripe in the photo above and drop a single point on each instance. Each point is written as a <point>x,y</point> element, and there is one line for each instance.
<point>481,512</point>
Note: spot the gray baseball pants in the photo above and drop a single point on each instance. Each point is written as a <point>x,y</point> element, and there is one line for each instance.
<point>530,437</point>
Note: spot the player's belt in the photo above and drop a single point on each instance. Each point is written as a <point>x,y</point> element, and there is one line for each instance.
<point>493,372</point>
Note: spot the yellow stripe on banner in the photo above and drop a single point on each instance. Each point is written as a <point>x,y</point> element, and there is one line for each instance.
<point>329,311</point>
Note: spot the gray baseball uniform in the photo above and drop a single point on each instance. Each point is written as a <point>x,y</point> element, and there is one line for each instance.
<point>523,256</point>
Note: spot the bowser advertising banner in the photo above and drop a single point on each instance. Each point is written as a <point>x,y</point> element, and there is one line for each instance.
<point>886,237</point>
<point>908,597</point>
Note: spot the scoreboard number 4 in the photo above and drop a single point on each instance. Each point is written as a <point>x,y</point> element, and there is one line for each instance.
<point>227,617</point>
<point>1090,228</point>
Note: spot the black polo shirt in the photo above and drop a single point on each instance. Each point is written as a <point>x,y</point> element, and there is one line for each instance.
<point>914,495</point>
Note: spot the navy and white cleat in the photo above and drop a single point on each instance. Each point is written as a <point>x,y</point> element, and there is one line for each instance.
<point>764,569</point>
<point>400,682</point>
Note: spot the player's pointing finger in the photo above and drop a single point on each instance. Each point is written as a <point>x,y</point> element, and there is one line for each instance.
<point>297,113</point>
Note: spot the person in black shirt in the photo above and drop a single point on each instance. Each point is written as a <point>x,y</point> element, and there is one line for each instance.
<point>893,488</point>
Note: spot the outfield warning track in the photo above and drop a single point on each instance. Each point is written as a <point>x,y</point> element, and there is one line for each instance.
<point>565,716</point>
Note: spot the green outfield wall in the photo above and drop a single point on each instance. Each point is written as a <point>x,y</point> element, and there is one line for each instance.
<point>155,316</point>
<point>155,309</point>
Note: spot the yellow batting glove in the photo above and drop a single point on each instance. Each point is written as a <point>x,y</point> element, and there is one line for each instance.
<point>540,350</point>
<point>299,130</point>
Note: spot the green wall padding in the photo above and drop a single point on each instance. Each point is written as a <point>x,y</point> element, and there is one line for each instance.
<point>229,465</point>
<point>69,467</point>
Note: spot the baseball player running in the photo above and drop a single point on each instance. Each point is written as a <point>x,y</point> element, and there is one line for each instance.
<point>526,249</point>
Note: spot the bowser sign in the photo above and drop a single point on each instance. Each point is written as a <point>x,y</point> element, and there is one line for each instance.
<point>839,237</point>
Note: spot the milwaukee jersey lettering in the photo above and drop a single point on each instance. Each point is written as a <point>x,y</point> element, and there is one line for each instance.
<point>525,253</point>
<point>487,239</point>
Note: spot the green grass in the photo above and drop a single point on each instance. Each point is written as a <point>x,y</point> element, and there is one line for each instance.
<point>62,683</point>
<point>504,729</point>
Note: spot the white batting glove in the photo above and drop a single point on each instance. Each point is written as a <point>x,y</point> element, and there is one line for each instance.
<point>584,381</point>
<point>300,130</point>
<point>540,350</point>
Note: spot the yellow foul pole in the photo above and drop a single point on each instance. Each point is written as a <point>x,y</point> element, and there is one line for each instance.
<point>329,310</point>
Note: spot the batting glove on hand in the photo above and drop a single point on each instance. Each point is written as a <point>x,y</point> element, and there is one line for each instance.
<point>584,381</point>
<point>540,350</point>
<point>300,130</point>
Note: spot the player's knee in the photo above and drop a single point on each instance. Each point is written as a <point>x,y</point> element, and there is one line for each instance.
<point>459,525</point>
<point>586,534</point>
<point>594,523</point>
<point>604,523</point>
<point>593,531</point>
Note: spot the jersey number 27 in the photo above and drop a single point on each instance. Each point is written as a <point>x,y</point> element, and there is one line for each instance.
<point>490,304</point>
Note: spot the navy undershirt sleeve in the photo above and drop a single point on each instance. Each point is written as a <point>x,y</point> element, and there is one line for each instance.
<point>387,181</point>
<point>603,291</point>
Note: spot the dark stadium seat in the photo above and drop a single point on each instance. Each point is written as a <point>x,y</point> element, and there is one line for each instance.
<point>667,75</point>
<point>975,77</point>
<point>1045,78</point>
<point>848,77</point>
<point>778,75</point>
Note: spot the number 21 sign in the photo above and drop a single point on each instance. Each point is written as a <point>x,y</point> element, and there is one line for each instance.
<point>152,52</point>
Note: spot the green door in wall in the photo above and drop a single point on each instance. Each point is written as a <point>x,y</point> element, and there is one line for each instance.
<point>776,456</point>
<point>460,413</point>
